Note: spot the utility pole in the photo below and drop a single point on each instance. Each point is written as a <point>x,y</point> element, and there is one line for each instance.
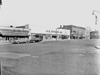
<point>56,34</point>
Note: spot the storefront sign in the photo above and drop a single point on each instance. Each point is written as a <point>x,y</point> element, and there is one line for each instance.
<point>52,31</point>
<point>59,31</point>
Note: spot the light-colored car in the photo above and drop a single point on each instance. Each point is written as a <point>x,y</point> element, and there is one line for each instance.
<point>19,41</point>
<point>15,41</point>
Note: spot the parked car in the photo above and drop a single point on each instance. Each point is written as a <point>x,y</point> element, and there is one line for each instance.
<point>15,41</point>
<point>19,41</point>
<point>36,38</point>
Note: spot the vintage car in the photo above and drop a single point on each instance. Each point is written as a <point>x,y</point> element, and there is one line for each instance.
<point>19,41</point>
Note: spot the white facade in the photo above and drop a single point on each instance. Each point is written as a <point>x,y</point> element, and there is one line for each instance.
<point>58,32</point>
<point>51,33</point>
<point>63,32</point>
<point>48,30</point>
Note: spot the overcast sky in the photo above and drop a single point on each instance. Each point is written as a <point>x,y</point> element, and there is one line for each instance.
<point>49,13</point>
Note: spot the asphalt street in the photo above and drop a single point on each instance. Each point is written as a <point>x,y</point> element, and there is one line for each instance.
<point>70,57</point>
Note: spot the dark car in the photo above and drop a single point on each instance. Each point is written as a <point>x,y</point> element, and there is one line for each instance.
<point>36,38</point>
<point>32,41</point>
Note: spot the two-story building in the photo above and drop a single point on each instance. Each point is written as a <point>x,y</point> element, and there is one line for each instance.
<point>76,32</point>
<point>7,33</point>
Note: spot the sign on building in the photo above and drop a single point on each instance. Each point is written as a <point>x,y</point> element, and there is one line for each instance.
<point>59,31</point>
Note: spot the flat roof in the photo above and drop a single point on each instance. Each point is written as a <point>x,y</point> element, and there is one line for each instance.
<point>13,28</point>
<point>73,26</point>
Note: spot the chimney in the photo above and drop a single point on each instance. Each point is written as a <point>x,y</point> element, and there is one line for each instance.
<point>27,26</point>
<point>60,26</point>
<point>11,26</point>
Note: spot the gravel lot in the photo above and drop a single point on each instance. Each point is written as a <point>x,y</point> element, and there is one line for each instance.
<point>70,57</point>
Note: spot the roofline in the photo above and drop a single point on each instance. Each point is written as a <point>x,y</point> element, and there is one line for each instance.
<point>13,28</point>
<point>76,26</point>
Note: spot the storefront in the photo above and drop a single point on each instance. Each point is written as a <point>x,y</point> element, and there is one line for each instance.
<point>76,32</point>
<point>8,33</point>
<point>54,34</point>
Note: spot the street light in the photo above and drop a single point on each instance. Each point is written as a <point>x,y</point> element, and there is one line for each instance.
<point>96,11</point>
<point>98,46</point>
<point>96,18</point>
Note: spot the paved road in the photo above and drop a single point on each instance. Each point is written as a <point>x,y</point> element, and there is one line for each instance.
<point>71,57</point>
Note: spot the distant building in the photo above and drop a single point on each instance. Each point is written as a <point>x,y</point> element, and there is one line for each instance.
<point>76,32</point>
<point>59,33</point>
<point>25,26</point>
<point>53,34</point>
<point>7,33</point>
<point>94,35</point>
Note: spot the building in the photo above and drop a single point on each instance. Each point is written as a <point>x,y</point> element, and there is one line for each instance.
<point>8,33</point>
<point>25,26</point>
<point>94,35</point>
<point>58,34</point>
<point>51,34</point>
<point>76,32</point>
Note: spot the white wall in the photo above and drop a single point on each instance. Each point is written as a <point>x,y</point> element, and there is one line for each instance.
<point>42,30</point>
<point>64,31</point>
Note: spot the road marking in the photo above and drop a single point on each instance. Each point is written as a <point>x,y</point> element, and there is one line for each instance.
<point>15,55</point>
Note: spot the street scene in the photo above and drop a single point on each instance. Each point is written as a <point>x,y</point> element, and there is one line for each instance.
<point>40,37</point>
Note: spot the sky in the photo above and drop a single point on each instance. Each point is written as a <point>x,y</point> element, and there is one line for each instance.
<point>49,14</point>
